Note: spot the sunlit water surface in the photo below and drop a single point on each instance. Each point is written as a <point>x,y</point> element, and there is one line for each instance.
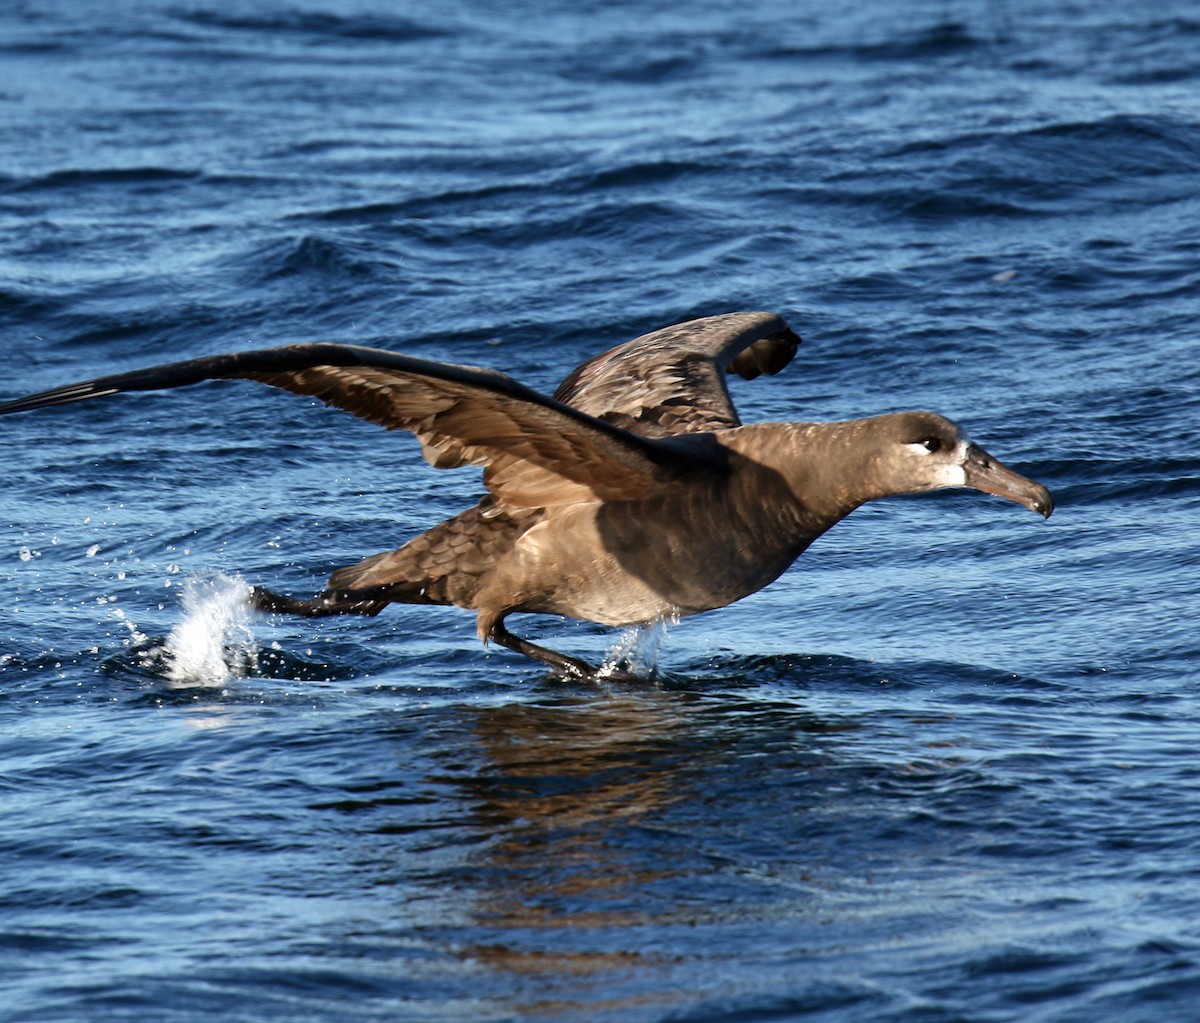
<point>945,769</point>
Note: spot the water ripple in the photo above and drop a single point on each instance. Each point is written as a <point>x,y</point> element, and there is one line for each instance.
<point>943,768</point>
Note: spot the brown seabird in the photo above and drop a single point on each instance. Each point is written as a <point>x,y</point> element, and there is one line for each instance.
<point>634,494</point>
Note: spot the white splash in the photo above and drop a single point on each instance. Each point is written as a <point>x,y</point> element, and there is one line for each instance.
<point>213,641</point>
<point>636,650</point>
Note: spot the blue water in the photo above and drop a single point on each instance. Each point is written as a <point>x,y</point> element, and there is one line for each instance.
<point>945,769</point>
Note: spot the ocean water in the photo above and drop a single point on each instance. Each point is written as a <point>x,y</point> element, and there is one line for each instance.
<point>945,769</point>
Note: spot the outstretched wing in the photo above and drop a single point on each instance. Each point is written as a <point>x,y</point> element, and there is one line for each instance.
<point>536,451</point>
<point>672,381</point>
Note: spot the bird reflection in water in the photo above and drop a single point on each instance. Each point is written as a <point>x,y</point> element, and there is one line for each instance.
<point>573,794</point>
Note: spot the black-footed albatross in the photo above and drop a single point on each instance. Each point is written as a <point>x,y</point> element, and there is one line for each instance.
<point>634,494</point>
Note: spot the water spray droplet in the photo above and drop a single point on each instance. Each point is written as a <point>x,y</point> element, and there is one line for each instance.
<point>636,650</point>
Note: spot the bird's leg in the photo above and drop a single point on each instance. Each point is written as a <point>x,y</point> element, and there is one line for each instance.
<point>320,606</point>
<point>560,662</point>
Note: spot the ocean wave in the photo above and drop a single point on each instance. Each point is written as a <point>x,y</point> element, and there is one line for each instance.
<point>931,757</point>
<point>318,255</point>
<point>89,177</point>
<point>943,39</point>
<point>313,25</point>
<point>1035,170</point>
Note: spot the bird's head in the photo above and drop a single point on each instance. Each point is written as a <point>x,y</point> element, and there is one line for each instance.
<point>919,451</point>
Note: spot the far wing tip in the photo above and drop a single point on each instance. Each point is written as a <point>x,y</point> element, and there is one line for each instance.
<point>58,396</point>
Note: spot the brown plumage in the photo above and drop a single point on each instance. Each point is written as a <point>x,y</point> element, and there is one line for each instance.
<point>633,494</point>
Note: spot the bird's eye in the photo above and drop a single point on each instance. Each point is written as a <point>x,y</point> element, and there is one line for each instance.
<point>931,444</point>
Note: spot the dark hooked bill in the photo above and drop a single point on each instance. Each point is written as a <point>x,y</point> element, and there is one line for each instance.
<point>983,472</point>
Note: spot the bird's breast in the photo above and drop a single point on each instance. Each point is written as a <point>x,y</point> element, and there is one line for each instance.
<point>685,551</point>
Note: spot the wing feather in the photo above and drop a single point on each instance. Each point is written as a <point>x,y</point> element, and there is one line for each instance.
<point>672,381</point>
<point>536,451</point>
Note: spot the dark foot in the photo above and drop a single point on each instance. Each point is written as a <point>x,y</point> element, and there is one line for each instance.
<point>571,666</point>
<point>560,662</point>
<point>320,606</point>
